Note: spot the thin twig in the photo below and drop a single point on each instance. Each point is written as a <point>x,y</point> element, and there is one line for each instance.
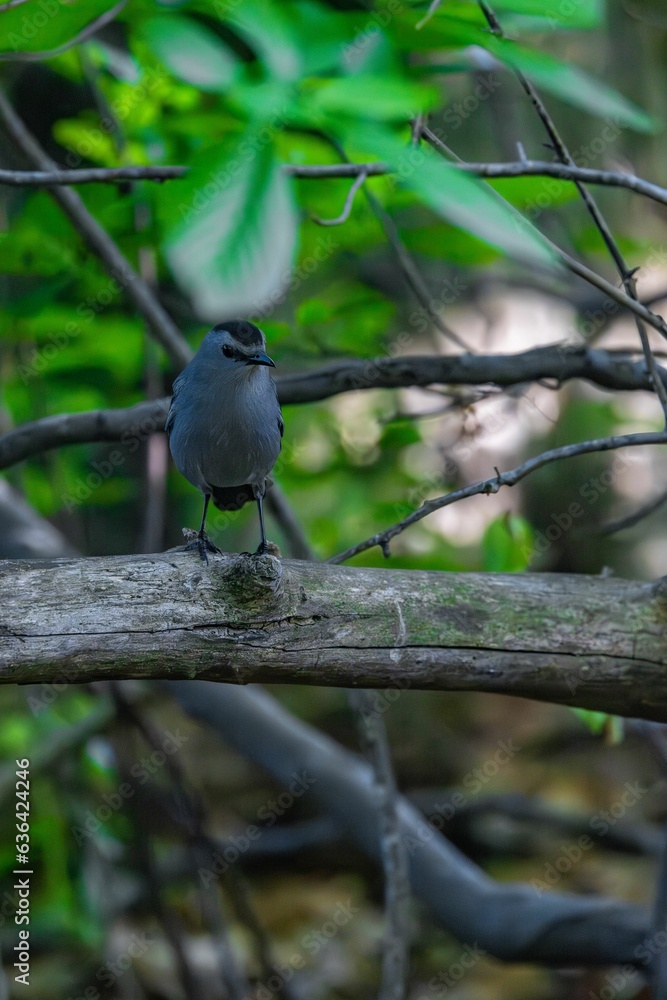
<point>567,172</point>
<point>520,168</point>
<point>296,540</point>
<point>638,515</point>
<point>494,483</point>
<point>187,812</point>
<point>113,175</point>
<point>99,241</point>
<point>411,271</point>
<point>564,155</point>
<point>432,7</point>
<point>395,954</point>
<point>630,302</point>
<point>347,207</point>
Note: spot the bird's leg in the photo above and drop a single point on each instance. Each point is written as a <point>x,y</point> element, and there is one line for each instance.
<point>202,542</point>
<point>262,547</point>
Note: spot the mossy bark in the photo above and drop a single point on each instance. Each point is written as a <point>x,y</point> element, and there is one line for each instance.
<point>594,642</point>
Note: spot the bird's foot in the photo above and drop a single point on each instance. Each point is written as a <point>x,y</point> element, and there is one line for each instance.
<point>267,549</point>
<point>201,542</point>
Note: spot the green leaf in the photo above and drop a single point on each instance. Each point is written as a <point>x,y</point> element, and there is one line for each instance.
<point>271,32</point>
<point>575,86</point>
<point>458,197</point>
<point>192,52</point>
<point>570,14</point>
<point>380,98</point>
<point>233,252</point>
<point>507,545</point>
<point>602,723</point>
<point>43,25</point>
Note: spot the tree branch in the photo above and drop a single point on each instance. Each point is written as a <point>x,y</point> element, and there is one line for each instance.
<point>567,172</point>
<point>254,620</point>
<point>490,171</point>
<point>101,244</point>
<point>494,483</point>
<point>113,175</point>
<point>607,369</point>
<point>510,921</point>
<point>626,274</point>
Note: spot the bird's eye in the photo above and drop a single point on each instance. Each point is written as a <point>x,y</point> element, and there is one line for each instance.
<point>227,351</point>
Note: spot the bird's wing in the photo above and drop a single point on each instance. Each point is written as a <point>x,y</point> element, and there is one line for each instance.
<point>171,416</point>
<point>281,422</point>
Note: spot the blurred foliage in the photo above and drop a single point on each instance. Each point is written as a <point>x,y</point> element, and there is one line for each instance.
<point>233,90</point>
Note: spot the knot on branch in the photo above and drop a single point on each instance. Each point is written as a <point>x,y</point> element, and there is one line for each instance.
<point>253,579</point>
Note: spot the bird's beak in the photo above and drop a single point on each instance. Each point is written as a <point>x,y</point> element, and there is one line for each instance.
<point>260,358</point>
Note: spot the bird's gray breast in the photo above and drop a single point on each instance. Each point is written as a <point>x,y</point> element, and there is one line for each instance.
<point>225,432</point>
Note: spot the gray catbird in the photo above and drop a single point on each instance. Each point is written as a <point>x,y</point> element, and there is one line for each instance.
<point>224,423</point>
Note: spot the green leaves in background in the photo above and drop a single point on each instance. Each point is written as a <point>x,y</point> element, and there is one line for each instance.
<point>192,52</point>
<point>507,545</point>
<point>458,197</point>
<point>43,25</point>
<point>572,84</point>
<point>234,248</point>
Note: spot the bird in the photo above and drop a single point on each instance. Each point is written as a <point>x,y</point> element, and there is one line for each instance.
<point>224,424</point>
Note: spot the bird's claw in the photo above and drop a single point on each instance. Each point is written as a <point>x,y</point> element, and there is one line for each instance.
<point>203,544</point>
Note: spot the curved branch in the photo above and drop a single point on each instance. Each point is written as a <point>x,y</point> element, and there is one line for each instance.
<point>511,921</point>
<point>604,368</point>
<point>494,483</point>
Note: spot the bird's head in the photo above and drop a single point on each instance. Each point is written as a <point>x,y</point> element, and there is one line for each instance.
<point>236,346</point>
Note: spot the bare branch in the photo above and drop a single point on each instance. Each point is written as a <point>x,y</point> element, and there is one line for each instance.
<point>607,369</point>
<point>490,171</point>
<point>567,172</point>
<point>347,207</point>
<point>494,483</point>
<point>113,175</point>
<point>101,244</point>
<point>635,517</point>
<point>396,945</point>
<point>509,920</point>
<point>410,270</point>
<point>564,155</point>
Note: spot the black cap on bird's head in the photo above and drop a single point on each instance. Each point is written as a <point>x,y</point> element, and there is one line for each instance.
<point>245,342</point>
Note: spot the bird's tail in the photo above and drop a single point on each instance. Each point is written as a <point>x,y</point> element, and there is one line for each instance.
<point>234,497</point>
